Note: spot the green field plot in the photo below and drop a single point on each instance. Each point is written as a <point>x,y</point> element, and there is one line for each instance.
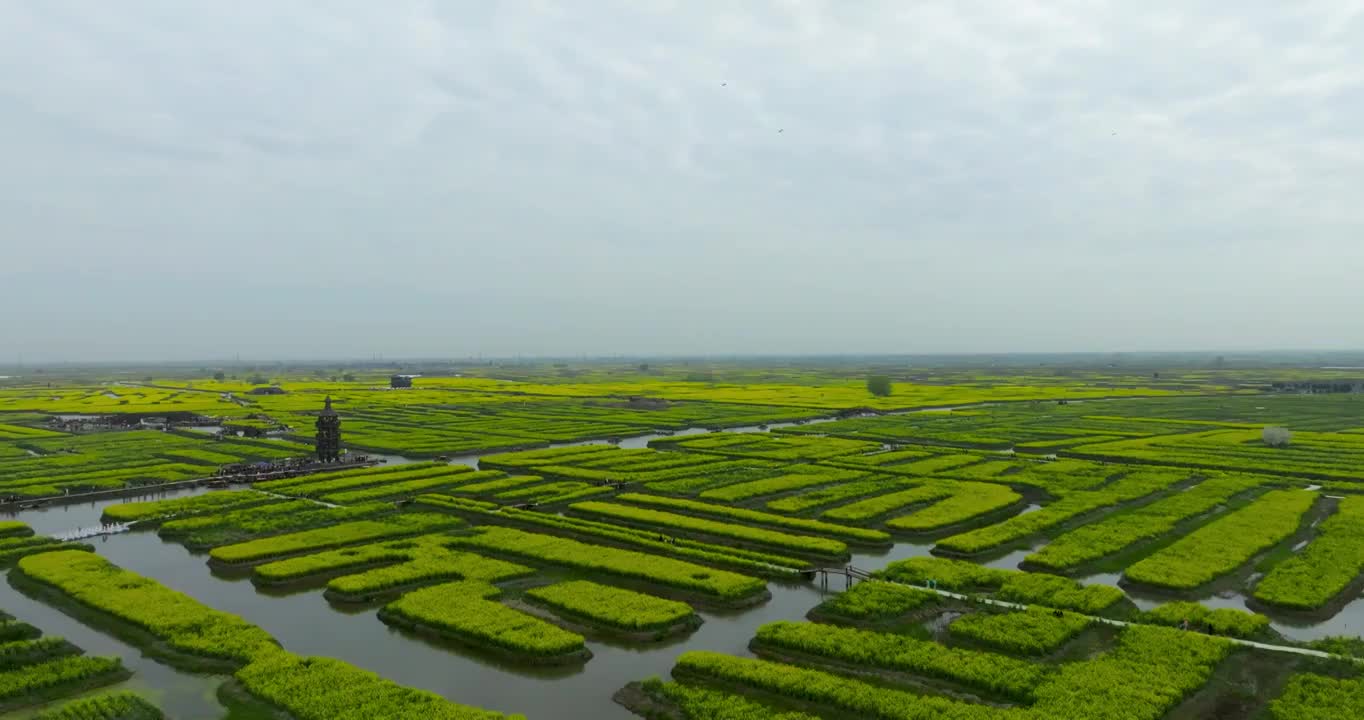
<point>990,672</point>
<point>1010,585</point>
<point>719,474</point>
<point>1131,487</point>
<point>936,504</point>
<point>1150,671</point>
<point>702,703</point>
<point>813,527</point>
<point>611,607</point>
<point>467,611</point>
<point>397,488</point>
<point>949,465</point>
<point>613,562</point>
<point>325,538</point>
<point>318,688</point>
<point>376,568</point>
<point>20,542</point>
<point>1226,543</point>
<point>953,428</point>
<point>1330,563</point>
<point>873,601</point>
<point>562,491</point>
<point>237,525</point>
<point>424,565</point>
<point>1040,426</point>
<point>842,492</point>
<point>891,457</point>
<point>672,472</point>
<point>968,501</point>
<point>763,446</point>
<point>110,706</point>
<point>796,477</point>
<point>174,626</point>
<point>1300,412</point>
<point>1036,631</point>
<point>208,503</point>
<point>1317,697</point>
<point>1096,540</point>
<point>490,422</point>
<point>1221,621</point>
<point>35,668</point>
<point>1329,456</point>
<point>173,617</point>
<point>1059,477</point>
<point>873,507</point>
<point>686,524</point>
<point>21,432</point>
<point>318,486</point>
<point>108,461</point>
<point>765,563</point>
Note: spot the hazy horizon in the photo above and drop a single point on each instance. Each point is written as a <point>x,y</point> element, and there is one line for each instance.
<point>339,179</point>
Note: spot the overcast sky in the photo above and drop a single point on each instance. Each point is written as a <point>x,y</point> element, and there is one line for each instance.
<point>315,178</point>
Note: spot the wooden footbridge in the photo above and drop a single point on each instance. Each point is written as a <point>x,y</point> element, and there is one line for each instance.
<point>849,573</point>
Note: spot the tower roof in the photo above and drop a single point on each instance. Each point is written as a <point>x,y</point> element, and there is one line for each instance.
<point>327,410</point>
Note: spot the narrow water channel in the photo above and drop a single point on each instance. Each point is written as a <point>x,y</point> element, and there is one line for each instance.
<point>306,623</point>
<point>183,696</point>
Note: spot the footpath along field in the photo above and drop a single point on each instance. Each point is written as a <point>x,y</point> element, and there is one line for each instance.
<point>596,566</point>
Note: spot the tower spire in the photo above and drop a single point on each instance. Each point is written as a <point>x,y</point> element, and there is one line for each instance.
<point>328,440</point>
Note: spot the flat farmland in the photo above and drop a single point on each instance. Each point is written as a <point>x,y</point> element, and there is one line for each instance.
<point>1014,560</point>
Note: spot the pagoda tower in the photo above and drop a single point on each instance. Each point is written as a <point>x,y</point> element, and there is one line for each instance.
<point>328,434</point>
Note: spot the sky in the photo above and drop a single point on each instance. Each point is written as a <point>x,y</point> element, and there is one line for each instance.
<point>287,179</point>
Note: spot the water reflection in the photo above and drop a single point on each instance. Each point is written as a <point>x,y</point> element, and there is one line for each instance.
<point>306,623</point>
<point>180,694</point>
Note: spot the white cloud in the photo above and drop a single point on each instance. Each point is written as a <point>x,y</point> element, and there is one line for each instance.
<point>625,158</point>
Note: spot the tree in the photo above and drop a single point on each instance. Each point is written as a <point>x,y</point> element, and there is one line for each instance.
<point>1278,437</point>
<point>219,376</point>
<point>258,379</point>
<point>348,377</point>
<point>878,385</point>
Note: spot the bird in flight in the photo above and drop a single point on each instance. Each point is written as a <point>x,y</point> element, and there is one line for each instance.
<point>723,84</point>
<point>782,130</point>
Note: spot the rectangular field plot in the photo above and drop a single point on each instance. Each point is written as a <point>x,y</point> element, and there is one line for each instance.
<point>1330,563</point>
<point>1328,456</point>
<point>765,446</point>
<point>1113,534</point>
<point>107,461</point>
<point>1131,487</point>
<point>1225,544</point>
<point>1148,672</point>
<point>427,430</point>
